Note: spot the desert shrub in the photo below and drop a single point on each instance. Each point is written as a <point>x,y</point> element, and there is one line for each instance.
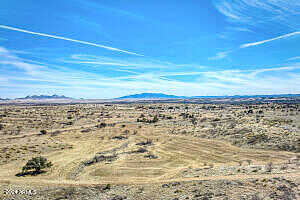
<point>203,119</point>
<point>140,107</point>
<point>141,120</point>
<point>120,137</point>
<point>273,122</point>
<point>283,167</point>
<point>184,132</point>
<point>101,125</point>
<point>186,115</point>
<point>216,119</point>
<point>269,167</point>
<point>151,156</point>
<point>126,131</point>
<point>72,111</point>
<point>107,187</point>
<point>55,133</point>
<point>288,147</point>
<point>36,164</point>
<point>111,124</point>
<point>242,131</point>
<point>100,158</point>
<point>252,139</point>
<point>69,123</point>
<point>249,162</point>
<point>145,143</point>
<point>250,112</point>
<point>155,119</point>
<point>240,162</point>
<point>194,121</point>
<point>86,130</point>
<point>141,150</point>
<point>213,124</point>
<point>231,125</point>
<point>256,197</point>
<point>162,116</point>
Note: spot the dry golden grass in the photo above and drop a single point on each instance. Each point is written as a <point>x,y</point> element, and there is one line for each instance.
<point>175,142</point>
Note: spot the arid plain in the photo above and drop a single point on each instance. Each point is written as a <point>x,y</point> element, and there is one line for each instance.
<point>152,151</point>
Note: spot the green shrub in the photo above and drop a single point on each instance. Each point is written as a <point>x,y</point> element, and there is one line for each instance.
<point>36,164</point>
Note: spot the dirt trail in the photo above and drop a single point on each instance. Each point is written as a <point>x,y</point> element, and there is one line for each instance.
<point>93,183</point>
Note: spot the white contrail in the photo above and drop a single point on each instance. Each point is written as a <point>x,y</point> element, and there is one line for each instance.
<point>294,58</point>
<point>265,41</point>
<point>68,39</point>
<point>222,55</point>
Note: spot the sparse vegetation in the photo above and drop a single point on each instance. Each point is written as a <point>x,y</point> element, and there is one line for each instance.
<point>124,143</point>
<point>269,167</point>
<point>36,164</point>
<point>101,125</point>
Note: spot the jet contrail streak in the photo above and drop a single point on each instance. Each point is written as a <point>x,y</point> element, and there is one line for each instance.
<point>68,39</point>
<point>269,40</point>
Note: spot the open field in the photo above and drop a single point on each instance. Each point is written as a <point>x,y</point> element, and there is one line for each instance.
<point>150,151</point>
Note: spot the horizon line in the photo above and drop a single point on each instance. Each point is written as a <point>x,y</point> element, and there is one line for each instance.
<point>179,96</point>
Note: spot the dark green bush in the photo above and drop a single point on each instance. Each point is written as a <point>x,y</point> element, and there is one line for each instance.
<point>36,164</point>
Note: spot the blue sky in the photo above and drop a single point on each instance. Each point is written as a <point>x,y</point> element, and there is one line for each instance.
<point>106,49</point>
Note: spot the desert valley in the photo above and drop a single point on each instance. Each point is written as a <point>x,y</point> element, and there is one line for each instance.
<point>152,150</point>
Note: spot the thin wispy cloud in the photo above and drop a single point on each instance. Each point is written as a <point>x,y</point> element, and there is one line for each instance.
<point>294,58</point>
<point>259,12</point>
<point>241,29</point>
<point>269,40</point>
<point>256,16</point>
<point>9,58</point>
<point>68,39</point>
<point>222,55</point>
<point>99,63</point>
<point>128,63</point>
<point>209,82</point>
<point>274,69</point>
<point>137,81</point>
<point>242,73</point>
<point>226,54</point>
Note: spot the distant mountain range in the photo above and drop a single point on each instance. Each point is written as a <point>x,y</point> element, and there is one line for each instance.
<point>165,96</point>
<point>156,96</point>
<point>151,96</point>
<point>45,97</point>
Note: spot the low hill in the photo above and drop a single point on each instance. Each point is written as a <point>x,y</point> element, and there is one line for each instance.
<point>166,96</point>
<point>151,96</point>
<point>45,97</point>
